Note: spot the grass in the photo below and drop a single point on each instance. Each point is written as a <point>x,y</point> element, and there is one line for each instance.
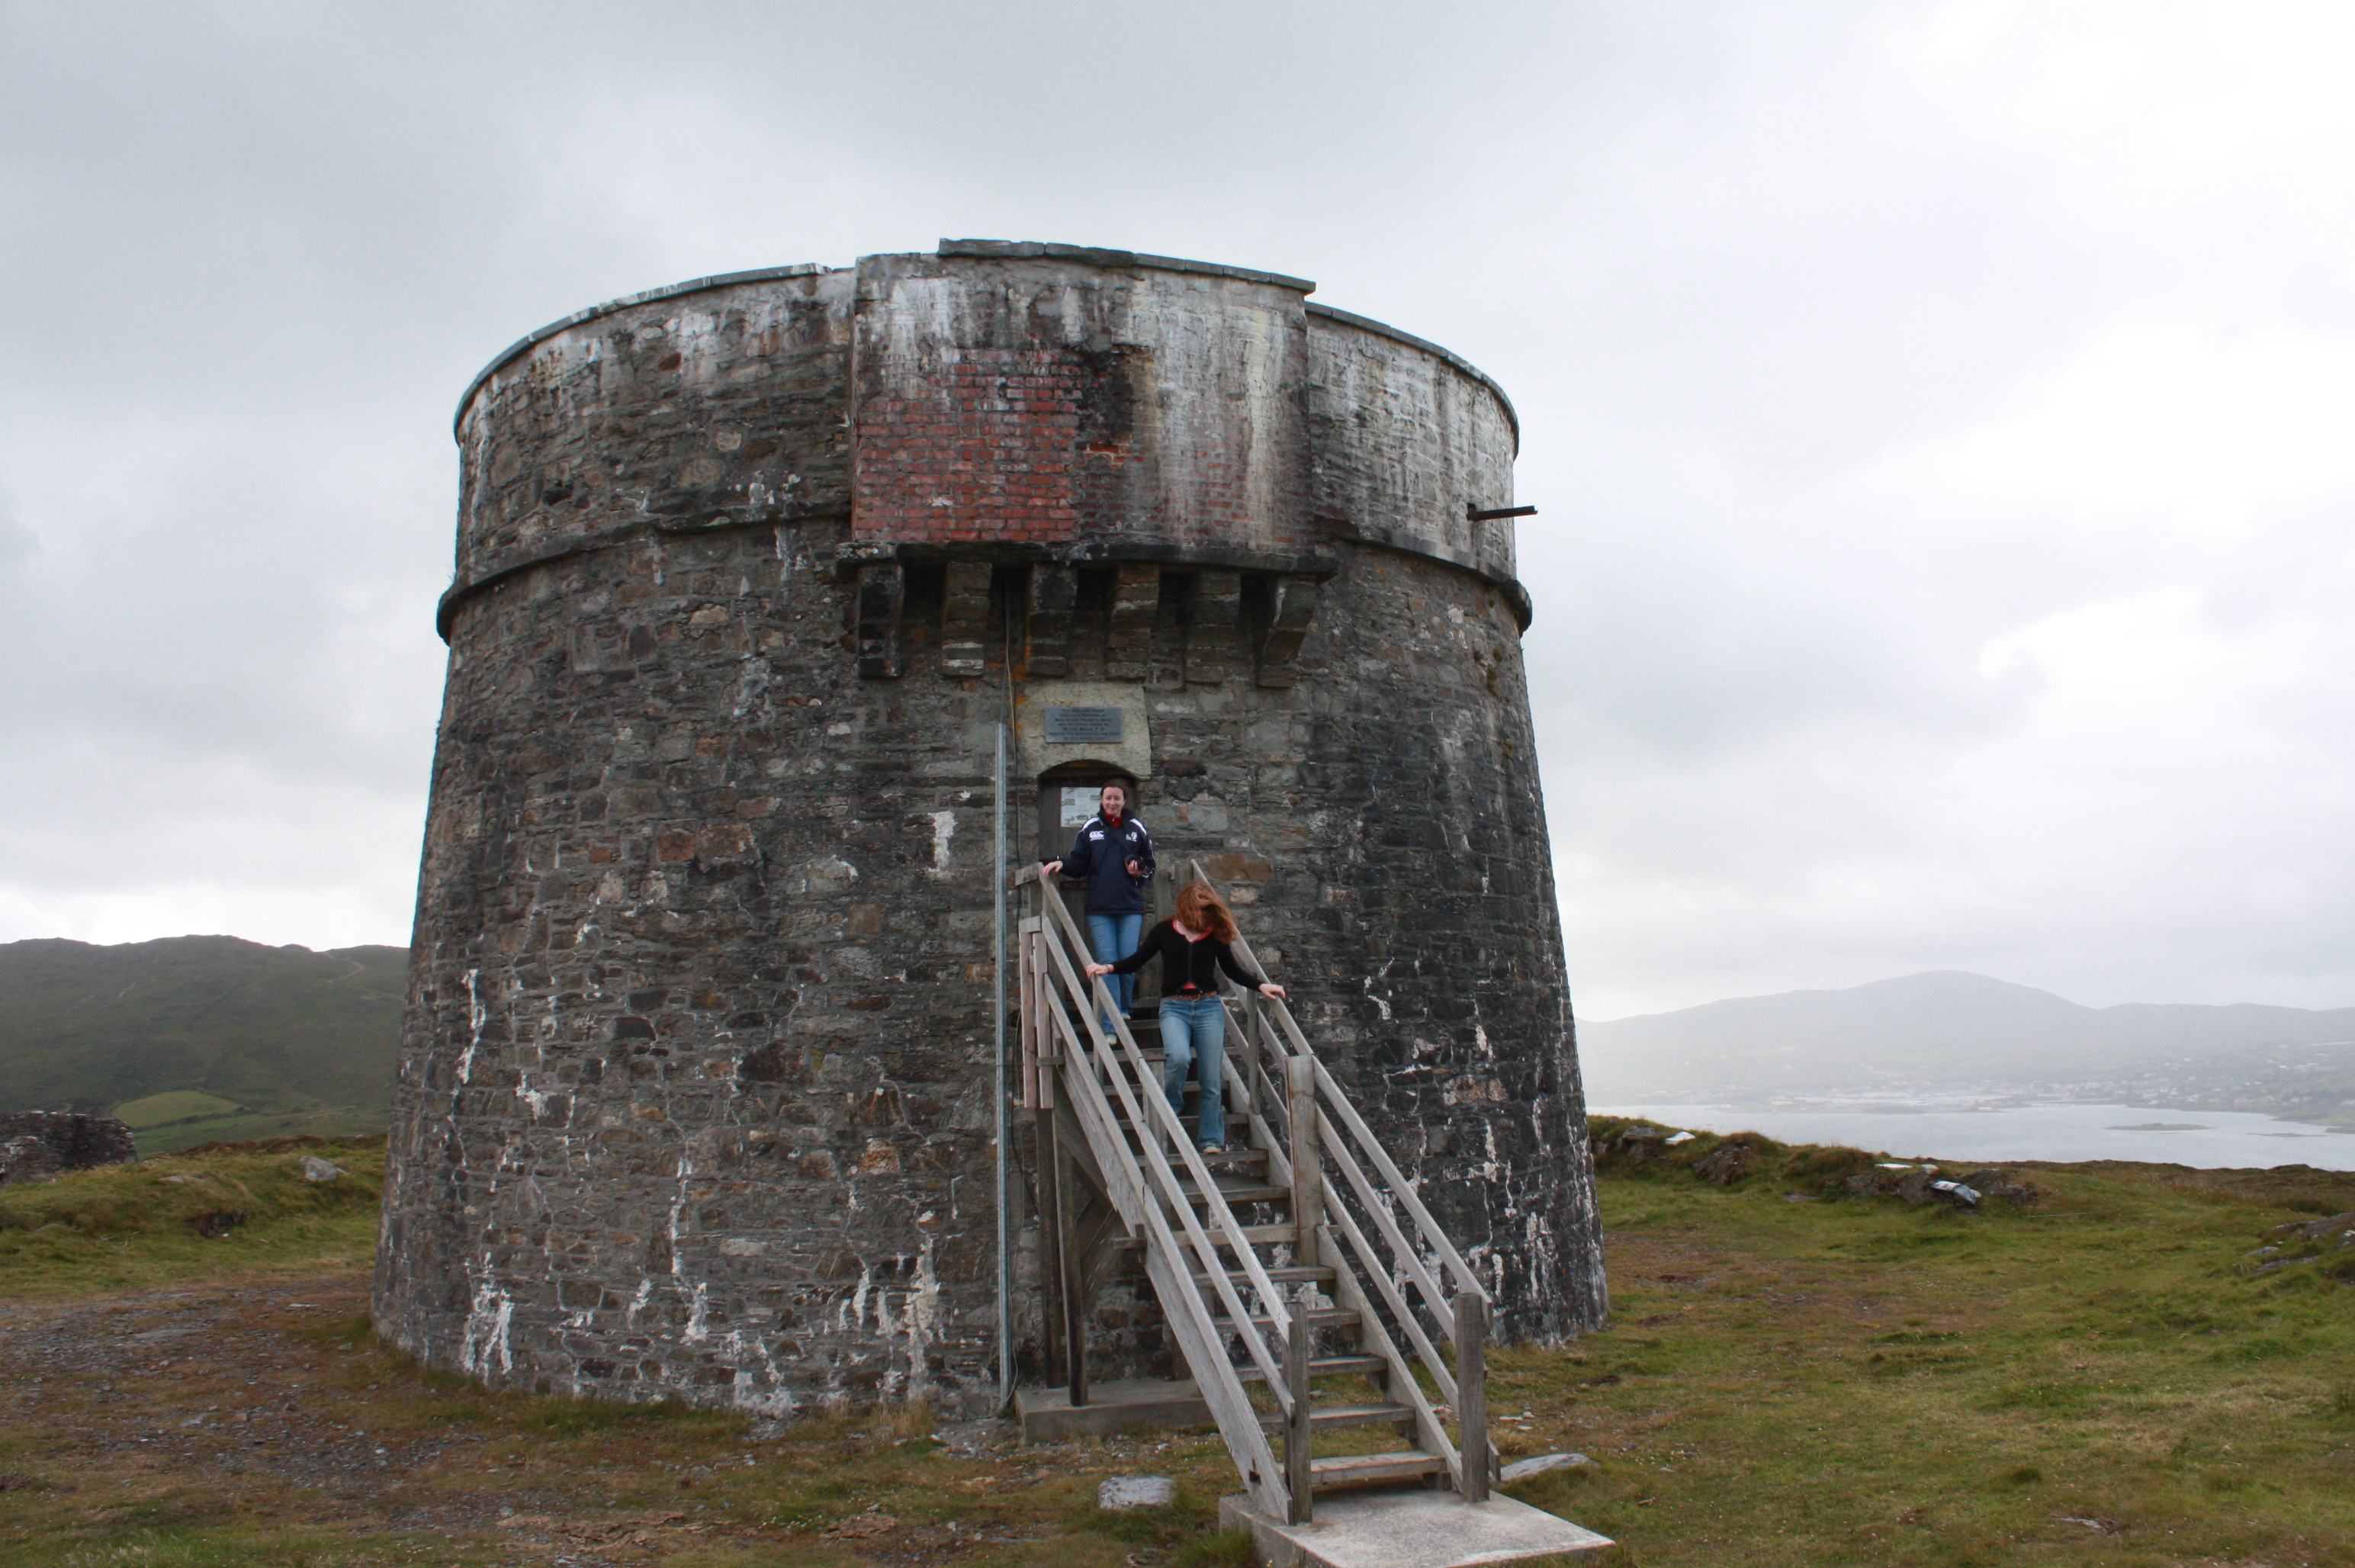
<point>2096,1377</point>
<point>2100,1376</point>
<point>224,1213</point>
<point>332,1122</point>
<point>173,1105</point>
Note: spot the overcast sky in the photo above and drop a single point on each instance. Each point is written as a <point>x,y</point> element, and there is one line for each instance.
<point>1943,418</point>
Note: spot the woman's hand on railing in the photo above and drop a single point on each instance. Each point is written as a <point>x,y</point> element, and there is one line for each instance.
<point>1099,968</point>
<point>1048,868</point>
<point>1271,989</point>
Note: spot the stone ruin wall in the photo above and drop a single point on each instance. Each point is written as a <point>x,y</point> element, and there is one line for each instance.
<point>696,1097</point>
<point>37,1146</point>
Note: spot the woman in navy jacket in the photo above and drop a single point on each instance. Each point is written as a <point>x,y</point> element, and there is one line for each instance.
<point>1114,854</point>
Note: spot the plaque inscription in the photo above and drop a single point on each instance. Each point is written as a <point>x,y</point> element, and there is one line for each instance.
<point>1083,726</point>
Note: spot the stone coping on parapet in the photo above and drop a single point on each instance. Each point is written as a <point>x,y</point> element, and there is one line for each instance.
<point>1029,250</point>
<point>1366,323</point>
<point>670,291</point>
<point>1010,250</point>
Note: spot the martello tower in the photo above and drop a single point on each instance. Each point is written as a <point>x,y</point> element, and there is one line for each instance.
<point>697,1096</point>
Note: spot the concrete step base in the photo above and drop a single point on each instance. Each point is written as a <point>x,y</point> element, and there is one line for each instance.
<point>1122,1404</point>
<point>1408,1528</point>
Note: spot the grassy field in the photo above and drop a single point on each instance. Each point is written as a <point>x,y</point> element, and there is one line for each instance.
<point>173,1105</point>
<point>185,1119</point>
<point>333,1123</point>
<point>2100,1376</point>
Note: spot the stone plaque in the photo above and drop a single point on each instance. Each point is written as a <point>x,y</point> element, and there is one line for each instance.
<point>1083,726</point>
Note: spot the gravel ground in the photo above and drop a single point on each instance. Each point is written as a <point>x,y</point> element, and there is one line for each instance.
<point>256,1420</point>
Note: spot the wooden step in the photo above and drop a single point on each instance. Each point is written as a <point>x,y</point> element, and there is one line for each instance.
<point>1233,1161</point>
<point>1327,1367</point>
<point>1322,1417</point>
<point>1308,1274</point>
<point>1240,1192</point>
<point>1257,1236</point>
<point>1318,1317</point>
<point>1193,1124</point>
<point>1365,1469</point>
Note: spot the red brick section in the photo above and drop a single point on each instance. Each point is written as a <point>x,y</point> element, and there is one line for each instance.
<point>1036,446</point>
<point>998,447</point>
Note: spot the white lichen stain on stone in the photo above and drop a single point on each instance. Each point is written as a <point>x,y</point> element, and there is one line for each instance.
<point>854,1311</point>
<point>943,830</point>
<point>923,1322</point>
<point>486,1332</point>
<point>477,1015</point>
<point>752,678</point>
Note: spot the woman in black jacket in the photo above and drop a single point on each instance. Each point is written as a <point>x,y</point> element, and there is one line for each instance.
<point>1193,946</point>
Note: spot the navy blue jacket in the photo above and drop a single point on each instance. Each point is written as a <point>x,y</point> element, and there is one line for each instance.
<point>1102,855</point>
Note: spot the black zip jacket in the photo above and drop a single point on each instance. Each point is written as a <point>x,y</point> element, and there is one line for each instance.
<point>1186,965</point>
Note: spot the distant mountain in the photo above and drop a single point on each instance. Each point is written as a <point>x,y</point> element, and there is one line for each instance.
<point>1952,1028</point>
<point>279,1033</point>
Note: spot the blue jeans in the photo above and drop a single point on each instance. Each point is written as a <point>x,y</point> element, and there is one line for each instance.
<point>1114,936</point>
<point>1194,1034</point>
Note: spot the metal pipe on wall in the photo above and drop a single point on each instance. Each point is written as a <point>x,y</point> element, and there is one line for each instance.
<point>997,992</point>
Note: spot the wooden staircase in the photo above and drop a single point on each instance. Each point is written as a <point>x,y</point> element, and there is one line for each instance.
<point>1334,1331</point>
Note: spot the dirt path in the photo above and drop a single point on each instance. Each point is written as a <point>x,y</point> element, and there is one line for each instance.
<point>260,1415</point>
<point>246,1394</point>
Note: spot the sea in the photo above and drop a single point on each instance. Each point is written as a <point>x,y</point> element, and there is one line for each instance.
<point>1991,1133</point>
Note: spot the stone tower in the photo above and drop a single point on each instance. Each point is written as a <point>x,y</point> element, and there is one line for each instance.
<point>697,1093</point>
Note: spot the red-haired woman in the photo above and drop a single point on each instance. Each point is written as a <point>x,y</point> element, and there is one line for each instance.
<point>1192,947</point>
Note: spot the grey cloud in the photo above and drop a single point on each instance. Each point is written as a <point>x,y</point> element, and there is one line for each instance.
<point>1739,267</point>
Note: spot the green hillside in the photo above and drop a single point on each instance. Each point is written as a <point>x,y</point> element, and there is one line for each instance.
<point>247,1040</point>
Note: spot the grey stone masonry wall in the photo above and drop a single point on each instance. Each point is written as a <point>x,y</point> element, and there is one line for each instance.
<point>697,1092</point>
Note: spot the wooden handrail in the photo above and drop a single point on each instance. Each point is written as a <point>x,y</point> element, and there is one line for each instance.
<point>1165,1120</point>
<point>1428,1431</point>
<point>1297,1110</point>
<point>1165,1178</point>
<point>1407,1228</point>
<point>1145,1177</point>
<point>1354,1124</point>
<point>1338,1104</point>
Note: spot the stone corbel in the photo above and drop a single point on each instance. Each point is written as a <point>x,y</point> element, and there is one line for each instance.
<point>1292,603</point>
